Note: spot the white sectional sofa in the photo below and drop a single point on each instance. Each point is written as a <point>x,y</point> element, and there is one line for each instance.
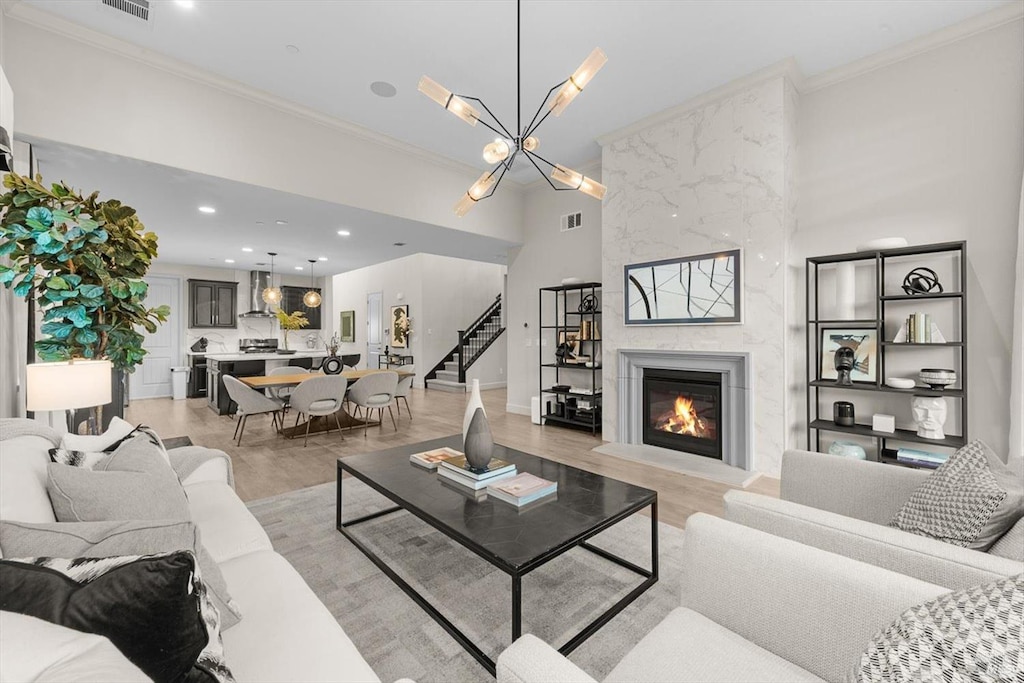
<point>285,632</point>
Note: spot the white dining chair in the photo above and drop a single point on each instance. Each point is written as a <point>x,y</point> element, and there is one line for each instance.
<point>319,397</point>
<point>283,394</point>
<point>252,402</point>
<point>375,392</point>
<point>402,392</point>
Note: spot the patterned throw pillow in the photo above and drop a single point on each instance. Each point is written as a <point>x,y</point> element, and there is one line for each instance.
<point>970,500</point>
<point>63,455</point>
<point>154,608</point>
<point>970,635</point>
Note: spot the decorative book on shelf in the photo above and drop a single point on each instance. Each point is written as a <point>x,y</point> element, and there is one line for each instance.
<point>919,329</point>
<point>430,459</point>
<point>521,489</point>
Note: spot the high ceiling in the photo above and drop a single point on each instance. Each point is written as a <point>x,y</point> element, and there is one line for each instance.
<point>660,53</point>
<point>168,201</point>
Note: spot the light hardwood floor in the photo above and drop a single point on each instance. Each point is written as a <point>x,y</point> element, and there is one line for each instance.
<point>267,464</point>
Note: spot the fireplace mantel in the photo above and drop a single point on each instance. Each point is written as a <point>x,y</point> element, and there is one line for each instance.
<point>737,395</point>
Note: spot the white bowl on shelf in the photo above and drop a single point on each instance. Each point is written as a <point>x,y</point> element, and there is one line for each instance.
<point>900,382</point>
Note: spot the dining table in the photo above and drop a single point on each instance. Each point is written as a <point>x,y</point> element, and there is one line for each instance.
<point>319,423</point>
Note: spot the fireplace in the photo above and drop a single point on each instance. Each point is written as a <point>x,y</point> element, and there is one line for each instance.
<point>682,410</point>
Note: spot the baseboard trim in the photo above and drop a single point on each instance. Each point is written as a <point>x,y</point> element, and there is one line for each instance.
<point>516,409</point>
<point>493,385</point>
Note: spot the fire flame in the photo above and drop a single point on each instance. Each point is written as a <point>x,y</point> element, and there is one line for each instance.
<point>683,419</point>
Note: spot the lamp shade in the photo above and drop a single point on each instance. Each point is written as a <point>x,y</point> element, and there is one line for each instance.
<point>66,386</point>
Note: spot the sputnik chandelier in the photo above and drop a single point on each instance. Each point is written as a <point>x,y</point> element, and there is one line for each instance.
<point>507,147</point>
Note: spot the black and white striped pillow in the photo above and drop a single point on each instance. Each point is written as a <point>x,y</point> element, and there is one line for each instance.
<point>89,459</point>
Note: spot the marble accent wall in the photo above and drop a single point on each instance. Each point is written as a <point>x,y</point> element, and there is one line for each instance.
<point>716,177</point>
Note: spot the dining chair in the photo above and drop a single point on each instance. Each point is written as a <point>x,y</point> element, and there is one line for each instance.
<point>351,360</point>
<point>283,394</point>
<point>375,392</point>
<point>402,392</point>
<point>252,402</point>
<point>319,397</point>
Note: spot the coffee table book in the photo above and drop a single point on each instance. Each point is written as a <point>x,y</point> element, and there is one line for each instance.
<point>521,489</point>
<point>495,467</point>
<point>469,482</point>
<point>429,459</point>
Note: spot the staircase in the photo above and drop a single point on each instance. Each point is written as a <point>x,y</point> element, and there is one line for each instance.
<point>450,373</point>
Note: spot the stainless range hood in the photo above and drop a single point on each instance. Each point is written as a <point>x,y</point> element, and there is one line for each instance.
<point>258,308</point>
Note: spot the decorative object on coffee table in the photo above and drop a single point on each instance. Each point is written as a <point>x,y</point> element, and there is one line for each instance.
<point>938,378</point>
<point>474,402</point>
<point>844,360</point>
<point>842,413</point>
<point>922,280</point>
<point>929,416</point>
<point>479,446</point>
<point>848,449</point>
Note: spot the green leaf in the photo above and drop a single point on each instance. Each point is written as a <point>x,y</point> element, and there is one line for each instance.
<point>7,275</point>
<point>23,199</point>
<point>57,282</point>
<point>90,291</point>
<point>23,288</point>
<point>7,247</point>
<point>72,279</point>
<point>77,315</point>
<point>86,336</point>
<point>57,330</point>
<point>138,287</point>
<point>119,289</point>
<point>98,236</point>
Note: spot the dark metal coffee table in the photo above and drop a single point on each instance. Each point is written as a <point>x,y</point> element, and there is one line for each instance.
<point>514,541</point>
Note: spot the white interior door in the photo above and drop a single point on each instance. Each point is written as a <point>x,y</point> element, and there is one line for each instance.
<point>152,379</point>
<point>374,328</point>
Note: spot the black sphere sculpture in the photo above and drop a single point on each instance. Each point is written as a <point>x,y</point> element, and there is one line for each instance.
<point>844,360</point>
<point>588,304</point>
<point>922,281</point>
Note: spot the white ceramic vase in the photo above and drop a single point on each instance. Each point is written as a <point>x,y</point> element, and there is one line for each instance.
<point>474,403</point>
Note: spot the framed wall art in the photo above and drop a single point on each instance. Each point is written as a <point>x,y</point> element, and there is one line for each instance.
<point>401,327</point>
<point>864,343</point>
<point>689,290</point>
<point>348,326</point>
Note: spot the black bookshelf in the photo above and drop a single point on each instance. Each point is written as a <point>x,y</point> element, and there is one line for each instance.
<point>559,316</point>
<point>819,410</point>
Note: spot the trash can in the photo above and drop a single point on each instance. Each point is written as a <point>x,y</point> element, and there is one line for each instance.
<point>535,410</point>
<point>179,382</point>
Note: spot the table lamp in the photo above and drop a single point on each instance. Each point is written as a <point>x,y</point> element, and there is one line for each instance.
<point>68,386</point>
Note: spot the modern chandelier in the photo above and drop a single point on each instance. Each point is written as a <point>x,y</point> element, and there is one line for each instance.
<point>312,297</point>
<point>272,294</point>
<point>507,147</point>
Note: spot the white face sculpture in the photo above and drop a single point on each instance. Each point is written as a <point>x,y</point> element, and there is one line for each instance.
<point>930,415</point>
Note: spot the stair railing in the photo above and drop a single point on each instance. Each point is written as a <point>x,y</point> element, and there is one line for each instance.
<point>471,332</point>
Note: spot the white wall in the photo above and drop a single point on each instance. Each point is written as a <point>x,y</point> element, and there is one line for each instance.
<point>443,294</point>
<point>547,256</point>
<point>226,340</point>
<point>180,117</point>
<point>929,149</point>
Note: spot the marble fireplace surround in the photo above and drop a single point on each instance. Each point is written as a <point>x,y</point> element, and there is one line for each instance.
<point>737,393</point>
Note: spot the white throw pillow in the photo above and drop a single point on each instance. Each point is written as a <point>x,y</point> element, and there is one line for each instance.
<point>35,650</point>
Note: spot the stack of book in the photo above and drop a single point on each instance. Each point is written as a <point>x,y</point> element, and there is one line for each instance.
<point>912,456</point>
<point>429,459</point>
<point>919,328</point>
<point>457,470</point>
<point>521,489</point>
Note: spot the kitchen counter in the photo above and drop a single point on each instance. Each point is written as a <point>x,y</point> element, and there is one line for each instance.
<point>305,353</point>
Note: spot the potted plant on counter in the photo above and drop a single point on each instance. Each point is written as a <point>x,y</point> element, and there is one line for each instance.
<point>293,321</point>
<point>80,261</point>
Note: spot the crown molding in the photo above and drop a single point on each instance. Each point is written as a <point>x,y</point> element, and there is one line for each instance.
<point>52,23</point>
<point>995,18</point>
<point>787,68</point>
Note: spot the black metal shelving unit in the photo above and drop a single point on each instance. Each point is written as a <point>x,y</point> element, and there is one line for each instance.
<point>815,324</point>
<point>560,305</point>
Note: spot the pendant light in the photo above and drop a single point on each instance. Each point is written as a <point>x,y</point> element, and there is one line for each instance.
<point>312,297</point>
<point>272,294</point>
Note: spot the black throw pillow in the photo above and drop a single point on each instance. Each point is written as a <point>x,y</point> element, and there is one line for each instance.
<point>147,606</point>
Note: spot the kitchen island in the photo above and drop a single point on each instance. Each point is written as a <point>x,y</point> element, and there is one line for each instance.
<point>238,364</point>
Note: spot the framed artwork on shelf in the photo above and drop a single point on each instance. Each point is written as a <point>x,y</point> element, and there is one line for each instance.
<point>863,341</point>
<point>401,327</point>
<point>348,326</point>
<point>689,290</point>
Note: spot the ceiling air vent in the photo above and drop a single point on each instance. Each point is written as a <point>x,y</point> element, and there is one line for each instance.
<point>137,8</point>
<point>571,221</point>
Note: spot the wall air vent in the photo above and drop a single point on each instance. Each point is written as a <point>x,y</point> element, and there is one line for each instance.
<point>137,8</point>
<point>571,221</point>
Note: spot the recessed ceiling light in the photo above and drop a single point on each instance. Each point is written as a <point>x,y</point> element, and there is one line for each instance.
<point>674,215</point>
<point>229,260</point>
<point>259,222</point>
<point>344,233</point>
<point>281,222</point>
<point>186,4</point>
<point>246,248</point>
<point>322,258</point>
<point>292,49</point>
<point>299,268</point>
<point>383,89</point>
<point>399,244</point>
<point>207,209</point>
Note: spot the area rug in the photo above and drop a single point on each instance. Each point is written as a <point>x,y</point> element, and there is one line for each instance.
<point>398,639</point>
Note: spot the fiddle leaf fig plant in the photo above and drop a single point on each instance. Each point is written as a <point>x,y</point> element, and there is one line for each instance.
<point>82,260</point>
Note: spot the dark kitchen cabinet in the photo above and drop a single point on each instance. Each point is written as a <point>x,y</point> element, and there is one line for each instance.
<point>212,303</point>
<point>292,301</point>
